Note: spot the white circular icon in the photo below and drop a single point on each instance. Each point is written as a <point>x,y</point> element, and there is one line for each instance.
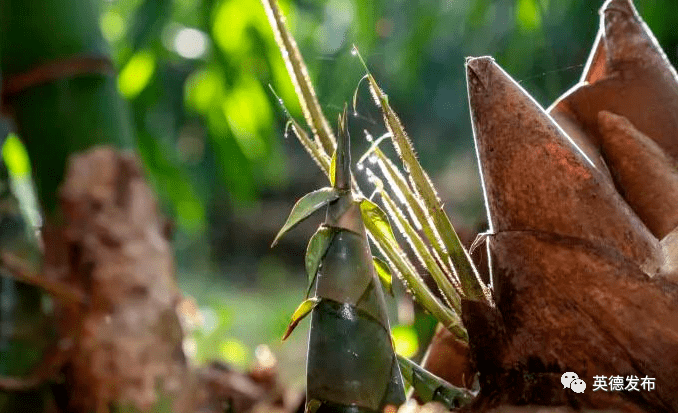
<point>578,386</point>
<point>567,378</point>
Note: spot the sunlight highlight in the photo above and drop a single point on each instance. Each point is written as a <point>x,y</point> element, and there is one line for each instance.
<point>190,43</point>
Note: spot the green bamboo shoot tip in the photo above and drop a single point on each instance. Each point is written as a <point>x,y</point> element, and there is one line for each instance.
<point>342,158</point>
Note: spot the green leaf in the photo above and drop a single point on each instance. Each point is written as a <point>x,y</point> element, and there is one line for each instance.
<point>248,113</point>
<point>528,15</point>
<point>376,221</point>
<point>316,250</point>
<point>148,22</point>
<point>16,157</point>
<point>405,340</point>
<point>136,74</point>
<point>333,168</point>
<point>302,311</point>
<point>113,26</point>
<point>305,207</point>
<point>204,89</point>
<point>384,273</point>
<point>234,352</point>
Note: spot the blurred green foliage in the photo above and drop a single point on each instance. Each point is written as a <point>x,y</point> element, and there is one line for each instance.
<point>195,74</point>
<point>26,333</point>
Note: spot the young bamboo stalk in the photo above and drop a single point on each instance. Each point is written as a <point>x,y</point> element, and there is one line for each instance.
<point>376,222</point>
<point>351,364</point>
<point>381,235</point>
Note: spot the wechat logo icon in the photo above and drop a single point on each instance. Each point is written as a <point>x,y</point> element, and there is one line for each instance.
<point>572,381</point>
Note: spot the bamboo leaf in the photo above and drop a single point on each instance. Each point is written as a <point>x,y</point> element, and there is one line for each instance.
<point>376,221</point>
<point>384,273</point>
<point>305,207</point>
<point>355,94</point>
<point>316,250</point>
<point>430,387</point>
<point>302,311</point>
